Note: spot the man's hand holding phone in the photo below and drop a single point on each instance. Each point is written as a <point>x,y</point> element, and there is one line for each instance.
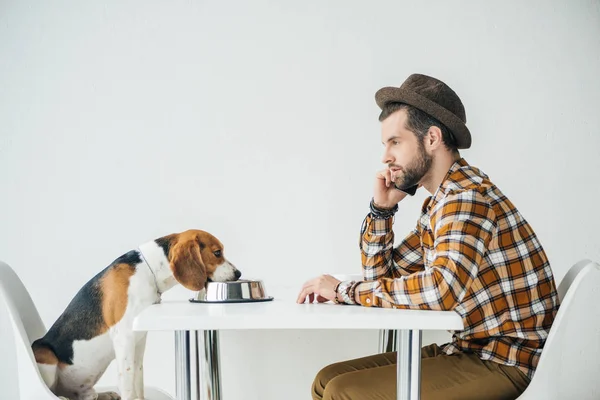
<point>386,194</point>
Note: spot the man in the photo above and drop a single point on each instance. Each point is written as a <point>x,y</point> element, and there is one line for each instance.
<point>472,252</point>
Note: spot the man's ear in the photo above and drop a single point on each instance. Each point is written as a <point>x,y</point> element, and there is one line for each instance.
<point>434,138</point>
<point>187,266</point>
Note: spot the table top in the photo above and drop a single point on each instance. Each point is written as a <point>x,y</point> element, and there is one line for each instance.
<point>287,314</point>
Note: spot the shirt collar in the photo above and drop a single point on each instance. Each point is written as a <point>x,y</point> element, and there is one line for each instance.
<point>459,176</point>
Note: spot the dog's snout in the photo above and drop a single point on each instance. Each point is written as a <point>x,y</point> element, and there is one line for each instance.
<point>237,274</point>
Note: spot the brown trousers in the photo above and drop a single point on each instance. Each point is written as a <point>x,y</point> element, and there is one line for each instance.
<point>461,376</point>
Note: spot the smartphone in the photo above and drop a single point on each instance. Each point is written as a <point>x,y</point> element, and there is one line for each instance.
<point>409,190</point>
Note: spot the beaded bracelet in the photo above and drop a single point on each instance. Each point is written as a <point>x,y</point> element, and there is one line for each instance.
<point>378,212</point>
<point>335,293</point>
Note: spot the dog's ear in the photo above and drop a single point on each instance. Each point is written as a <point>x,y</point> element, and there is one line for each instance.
<point>187,265</point>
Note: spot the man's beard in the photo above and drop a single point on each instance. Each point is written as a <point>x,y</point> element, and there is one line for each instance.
<point>415,171</point>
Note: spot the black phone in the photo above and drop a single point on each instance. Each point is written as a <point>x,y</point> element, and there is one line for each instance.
<point>409,190</point>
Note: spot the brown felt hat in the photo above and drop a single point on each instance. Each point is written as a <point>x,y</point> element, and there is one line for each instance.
<point>434,97</point>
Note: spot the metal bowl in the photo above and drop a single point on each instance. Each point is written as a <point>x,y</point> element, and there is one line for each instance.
<point>242,291</point>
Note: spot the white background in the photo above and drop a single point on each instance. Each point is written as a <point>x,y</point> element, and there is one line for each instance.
<point>122,121</point>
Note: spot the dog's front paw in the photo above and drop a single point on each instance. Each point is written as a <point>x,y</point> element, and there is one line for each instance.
<point>108,396</point>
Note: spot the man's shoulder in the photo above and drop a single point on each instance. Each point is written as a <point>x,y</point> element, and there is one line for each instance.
<point>465,209</point>
<point>465,200</point>
<point>469,190</point>
<point>469,182</point>
<point>466,192</point>
<point>467,177</point>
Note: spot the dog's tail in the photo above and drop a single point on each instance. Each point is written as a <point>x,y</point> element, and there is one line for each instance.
<point>47,362</point>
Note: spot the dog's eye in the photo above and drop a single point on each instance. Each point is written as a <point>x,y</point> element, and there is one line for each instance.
<point>217,253</point>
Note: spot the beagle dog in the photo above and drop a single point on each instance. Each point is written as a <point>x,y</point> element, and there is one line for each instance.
<point>96,326</point>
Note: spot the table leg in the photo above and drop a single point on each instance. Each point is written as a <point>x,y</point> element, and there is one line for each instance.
<point>408,370</point>
<point>387,340</point>
<point>182,365</point>
<point>208,365</point>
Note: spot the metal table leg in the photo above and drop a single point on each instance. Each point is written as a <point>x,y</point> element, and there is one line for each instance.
<point>408,369</point>
<point>387,341</point>
<point>208,366</point>
<point>182,365</point>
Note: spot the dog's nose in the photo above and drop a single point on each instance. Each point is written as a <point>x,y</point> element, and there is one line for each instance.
<point>237,274</point>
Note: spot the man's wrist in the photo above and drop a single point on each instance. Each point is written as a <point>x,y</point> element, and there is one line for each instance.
<point>336,295</point>
<point>346,296</point>
<point>354,293</point>
<point>338,298</point>
<point>378,211</point>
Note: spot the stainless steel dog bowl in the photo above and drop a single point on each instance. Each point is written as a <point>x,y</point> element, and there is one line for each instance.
<point>242,291</point>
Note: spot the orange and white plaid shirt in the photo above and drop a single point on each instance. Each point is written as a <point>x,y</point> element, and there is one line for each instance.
<point>471,252</point>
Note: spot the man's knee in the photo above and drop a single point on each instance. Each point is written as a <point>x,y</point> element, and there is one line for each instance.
<point>342,387</point>
<point>322,379</point>
<point>335,373</point>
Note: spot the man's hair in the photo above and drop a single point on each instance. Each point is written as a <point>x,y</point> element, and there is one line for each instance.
<point>419,122</point>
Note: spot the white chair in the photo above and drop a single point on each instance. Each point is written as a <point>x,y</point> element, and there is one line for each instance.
<point>28,326</point>
<point>569,367</point>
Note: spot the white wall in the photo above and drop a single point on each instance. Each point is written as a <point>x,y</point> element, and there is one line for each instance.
<point>124,121</point>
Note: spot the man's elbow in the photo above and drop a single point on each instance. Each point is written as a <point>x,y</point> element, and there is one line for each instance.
<point>447,300</point>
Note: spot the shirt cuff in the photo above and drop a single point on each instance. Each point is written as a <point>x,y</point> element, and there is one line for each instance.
<point>367,293</point>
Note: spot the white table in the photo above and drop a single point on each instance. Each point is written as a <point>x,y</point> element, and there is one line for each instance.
<point>207,320</point>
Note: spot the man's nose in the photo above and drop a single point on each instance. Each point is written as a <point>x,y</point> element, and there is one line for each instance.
<point>387,158</point>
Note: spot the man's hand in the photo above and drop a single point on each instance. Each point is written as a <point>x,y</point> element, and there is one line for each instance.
<point>385,194</point>
<point>323,287</point>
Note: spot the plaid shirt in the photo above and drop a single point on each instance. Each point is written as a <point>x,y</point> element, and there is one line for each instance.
<point>471,252</point>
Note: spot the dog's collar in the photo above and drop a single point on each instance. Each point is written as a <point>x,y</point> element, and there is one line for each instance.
<point>153,274</point>
<point>147,251</point>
